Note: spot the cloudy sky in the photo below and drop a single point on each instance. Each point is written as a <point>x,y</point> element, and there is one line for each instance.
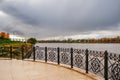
<point>61,19</point>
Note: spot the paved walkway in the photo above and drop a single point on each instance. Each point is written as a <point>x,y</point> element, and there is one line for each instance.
<point>27,70</point>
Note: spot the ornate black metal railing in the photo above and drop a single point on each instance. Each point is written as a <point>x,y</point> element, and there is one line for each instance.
<point>104,64</point>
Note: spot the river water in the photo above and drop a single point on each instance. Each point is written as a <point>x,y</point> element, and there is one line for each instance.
<point>112,48</point>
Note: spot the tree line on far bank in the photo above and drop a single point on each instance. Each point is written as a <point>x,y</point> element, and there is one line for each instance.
<point>70,40</point>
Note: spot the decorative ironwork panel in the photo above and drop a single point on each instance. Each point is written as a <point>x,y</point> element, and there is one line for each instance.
<point>79,58</point>
<point>39,53</point>
<point>52,54</point>
<point>96,62</point>
<point>31,55</point>
<point>114,66</point>
<point>65,56</point>
<point>28,52</point>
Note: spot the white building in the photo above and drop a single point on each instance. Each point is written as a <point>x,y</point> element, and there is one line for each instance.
<point>17,38</point>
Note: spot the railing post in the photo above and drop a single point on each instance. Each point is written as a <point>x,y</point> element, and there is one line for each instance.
<point>58,51</point>
<point>2,50</point>
<point>34,53</point>
<point>106,65</point>
<point>86,53</point>
<point>10,52</point>
<point>71,51</point>
<point>45,54</point>
<point>22,52</point>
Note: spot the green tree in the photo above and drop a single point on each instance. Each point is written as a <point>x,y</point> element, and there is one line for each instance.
<point>32,40</point>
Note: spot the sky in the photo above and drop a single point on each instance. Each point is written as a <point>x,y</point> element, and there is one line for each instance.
<point>60,19</point>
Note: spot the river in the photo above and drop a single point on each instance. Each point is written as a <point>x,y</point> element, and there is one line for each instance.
<point>112,48</point>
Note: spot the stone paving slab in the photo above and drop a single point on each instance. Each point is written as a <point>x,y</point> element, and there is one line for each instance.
<point>27,70</point>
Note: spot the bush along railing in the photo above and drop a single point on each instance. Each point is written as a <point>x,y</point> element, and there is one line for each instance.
<point>104,64</point>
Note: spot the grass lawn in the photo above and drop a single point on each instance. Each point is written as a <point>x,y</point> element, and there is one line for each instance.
<point>8,43</point>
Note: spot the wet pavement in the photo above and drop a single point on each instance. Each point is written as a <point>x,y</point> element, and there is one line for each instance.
<point>28,70</point>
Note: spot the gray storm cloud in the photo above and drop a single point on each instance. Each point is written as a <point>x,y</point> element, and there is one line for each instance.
<point>61,17</point>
